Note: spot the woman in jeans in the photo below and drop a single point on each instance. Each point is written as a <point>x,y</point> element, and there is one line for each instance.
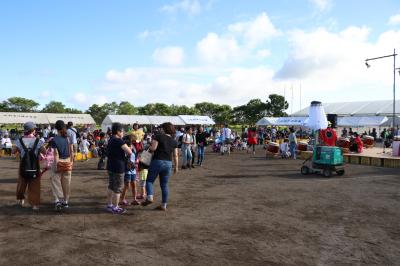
<point>165,149</point>
<point>61,180</point>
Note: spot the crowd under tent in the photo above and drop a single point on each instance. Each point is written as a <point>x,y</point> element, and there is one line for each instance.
<point>45,118</point>
<point>361,121</point>
<point>152,120</point>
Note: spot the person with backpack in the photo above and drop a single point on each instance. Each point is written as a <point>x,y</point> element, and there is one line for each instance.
<point>29,170</point>
<point>62,166</point>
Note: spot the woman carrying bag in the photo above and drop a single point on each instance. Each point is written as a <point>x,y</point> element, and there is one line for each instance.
<point>62,166</point>
<point>165,149</point>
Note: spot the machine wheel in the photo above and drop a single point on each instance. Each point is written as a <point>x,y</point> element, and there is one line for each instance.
<point>305,170</point>
<point>340,172</point>
<point>327,172</point>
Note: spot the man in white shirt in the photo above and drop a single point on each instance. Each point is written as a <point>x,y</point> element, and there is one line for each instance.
<point>226,137</point>
<point>71,133</point>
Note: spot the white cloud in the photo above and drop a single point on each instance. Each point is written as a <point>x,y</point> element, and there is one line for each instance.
<point>169,56</point>
<point>394,20</point>
<point>255,31</point>
<point>45,94</point>
<point>264,53</point>
<point>191,7</point>
<point>84,100</point>
<point>239,42</point>
<point>215,49</point>
<point>147,34</point>
<point>322,5</point>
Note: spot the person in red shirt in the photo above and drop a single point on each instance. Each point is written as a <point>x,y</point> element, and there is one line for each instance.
<point>328,136</point>
<point>252,139</point>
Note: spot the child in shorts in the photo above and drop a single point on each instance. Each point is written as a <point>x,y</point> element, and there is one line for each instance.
<point>130,176</point>
<point>143,170</point>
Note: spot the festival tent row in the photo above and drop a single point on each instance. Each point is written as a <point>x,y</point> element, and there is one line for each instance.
<point>179,120</point>
<point>351,121</point>
<point>45,118</point>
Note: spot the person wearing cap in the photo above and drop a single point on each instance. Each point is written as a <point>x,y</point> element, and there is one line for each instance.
<point>61,178</point>
<point>32,186</point>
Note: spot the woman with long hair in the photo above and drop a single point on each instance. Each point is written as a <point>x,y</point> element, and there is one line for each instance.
<point>165,149</point>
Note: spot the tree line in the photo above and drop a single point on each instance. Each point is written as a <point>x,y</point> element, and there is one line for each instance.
<point>248,113</point>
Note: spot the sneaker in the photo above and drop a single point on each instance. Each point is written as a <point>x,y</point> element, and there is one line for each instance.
<point>146,202</point>
<point>118,210</point>
<point>65,205</point>
<point>20,203</point>
<point>58,206</point>
<point>109,208</point>
<point>35,208</point>
<point>161,208</point>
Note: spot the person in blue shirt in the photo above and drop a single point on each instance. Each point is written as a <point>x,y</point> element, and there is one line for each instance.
<point>130,175</point>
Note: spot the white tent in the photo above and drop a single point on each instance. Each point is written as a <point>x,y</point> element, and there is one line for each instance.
<point>267,121</point>
<point>282,121</point>
<point>142,120</point>
<point>361,121</point>
<point>197,120</point>
<point>21,118</point>
<point>77,119</point>
<point>44,118</point>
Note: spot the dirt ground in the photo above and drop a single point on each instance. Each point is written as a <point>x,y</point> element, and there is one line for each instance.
<point>235,210</point>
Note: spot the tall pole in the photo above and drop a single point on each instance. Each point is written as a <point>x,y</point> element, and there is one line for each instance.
<point>394,89</point>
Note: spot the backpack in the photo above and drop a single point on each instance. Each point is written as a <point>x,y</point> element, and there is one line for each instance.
<point>76,133</point>
<point>180,141</point>
<point>29,165</point>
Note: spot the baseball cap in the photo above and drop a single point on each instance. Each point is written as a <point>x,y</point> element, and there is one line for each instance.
<point>29,126</point>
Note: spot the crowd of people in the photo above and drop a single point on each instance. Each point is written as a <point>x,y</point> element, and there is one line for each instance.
<point>135,157</point>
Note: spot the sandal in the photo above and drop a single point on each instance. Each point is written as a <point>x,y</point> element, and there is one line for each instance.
<point>135,203</point>
<point>161,208</point>
<point>124,203</point>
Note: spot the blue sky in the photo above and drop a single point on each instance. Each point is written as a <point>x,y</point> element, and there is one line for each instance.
<point>187,51</point>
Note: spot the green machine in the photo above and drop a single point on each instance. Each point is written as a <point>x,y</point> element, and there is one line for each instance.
<point>325,159</point>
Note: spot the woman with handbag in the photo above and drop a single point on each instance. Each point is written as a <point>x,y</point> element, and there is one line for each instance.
<point>165,148</point>
<point>62,166</point>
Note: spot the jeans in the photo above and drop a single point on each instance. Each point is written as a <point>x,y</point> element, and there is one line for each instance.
<point>200,154</point>
<point>159,168</point>
<point>292,147</point>
<point>186,155</point>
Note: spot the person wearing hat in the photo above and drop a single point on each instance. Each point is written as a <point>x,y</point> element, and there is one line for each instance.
<point>32,186</point>
<point>62,166</point>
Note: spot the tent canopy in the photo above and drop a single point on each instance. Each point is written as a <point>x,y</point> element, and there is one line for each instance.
<point>44,118</point>
<point>361,121</point>
<point>180,120</point>
<point>197,120</point>
<point>282,121</point>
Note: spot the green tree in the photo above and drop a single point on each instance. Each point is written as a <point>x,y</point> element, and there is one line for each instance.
<point>220,113</point>
<point>183,110</point>
<point>251,112</point>
<point>19,104</point>
<point>54,107</point>
<point>155,109</point>
<point>276,105</point>
<point>99,112</point>
<point>125,108</point>
<point>72,111</point>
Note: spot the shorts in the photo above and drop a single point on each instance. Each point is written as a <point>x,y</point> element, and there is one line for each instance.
<point>143,174</point>
<point>142,183</point>
<point>129,178</point>
<point>116,182</point>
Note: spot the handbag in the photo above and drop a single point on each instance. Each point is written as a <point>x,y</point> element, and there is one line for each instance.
<point>65,166</point>
<point>145,157</point>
